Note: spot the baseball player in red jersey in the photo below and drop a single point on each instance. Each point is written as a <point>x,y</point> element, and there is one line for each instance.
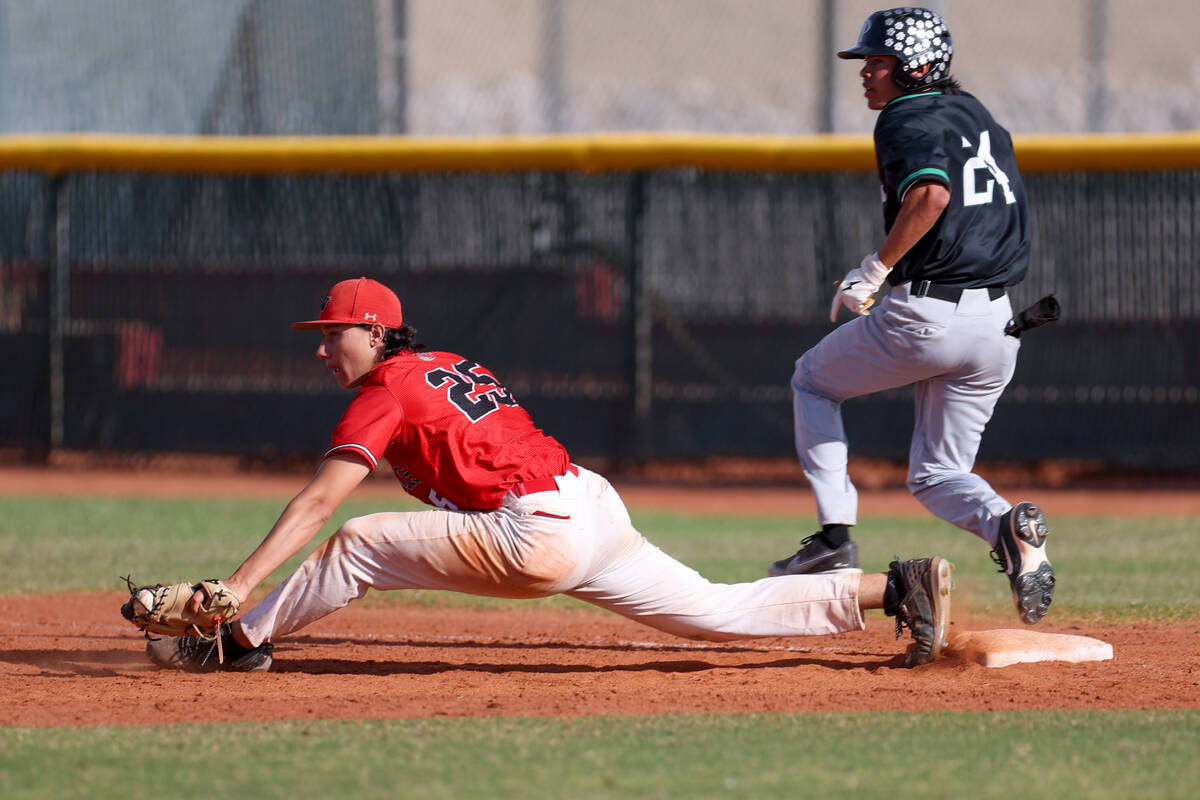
<point>511,517</point>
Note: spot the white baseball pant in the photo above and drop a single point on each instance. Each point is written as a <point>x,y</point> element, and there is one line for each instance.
<point>577,541</point>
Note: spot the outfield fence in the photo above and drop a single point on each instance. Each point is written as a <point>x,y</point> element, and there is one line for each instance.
<point>644,296</point>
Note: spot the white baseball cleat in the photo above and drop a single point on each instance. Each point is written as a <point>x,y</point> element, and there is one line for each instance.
<point>1021,553</point>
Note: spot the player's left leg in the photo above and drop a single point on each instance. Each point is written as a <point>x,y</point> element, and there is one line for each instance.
<point>651,587</point>
<point>953,408</point>
<point>952,412</point>
<point>948,428</point>
<point>632,577</point>
<point>1021,553</point>
<point>626,574</point>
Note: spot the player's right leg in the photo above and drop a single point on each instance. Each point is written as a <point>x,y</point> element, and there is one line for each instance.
<point>860,357</point>
<point>508,552</point>
<point>219,652</point>
<point>500,553</point>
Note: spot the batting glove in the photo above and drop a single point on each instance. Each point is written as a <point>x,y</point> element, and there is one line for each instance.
<point>857,290</point>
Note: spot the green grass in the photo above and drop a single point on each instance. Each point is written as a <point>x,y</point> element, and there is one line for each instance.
<point>1111,569</point>
<point>1095,755</point>
<point>1115,568</point>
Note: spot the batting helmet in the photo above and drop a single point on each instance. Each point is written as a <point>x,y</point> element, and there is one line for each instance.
<point>916,36</point>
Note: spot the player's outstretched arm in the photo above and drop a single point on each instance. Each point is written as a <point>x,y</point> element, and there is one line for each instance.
<point>301,519</point>
<point>922,206</point>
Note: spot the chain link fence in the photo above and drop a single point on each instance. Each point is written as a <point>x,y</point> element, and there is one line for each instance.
<point>501,67</point>
<point>638,313</point>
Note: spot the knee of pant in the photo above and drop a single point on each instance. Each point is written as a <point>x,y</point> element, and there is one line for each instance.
<point>694,629</point>
<point>552,566</point>
<point>799,377</point>
<point>919,482</point>
<point>802,386</point>
<point>350,531</point>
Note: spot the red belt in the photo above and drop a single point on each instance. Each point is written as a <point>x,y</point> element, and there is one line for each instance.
<point>536,485</point>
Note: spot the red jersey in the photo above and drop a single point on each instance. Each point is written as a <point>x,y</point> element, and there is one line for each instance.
<point>454,436</point>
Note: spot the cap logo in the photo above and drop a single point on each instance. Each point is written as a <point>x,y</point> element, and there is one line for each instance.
<point>369,317</point>
<point>328,297</point>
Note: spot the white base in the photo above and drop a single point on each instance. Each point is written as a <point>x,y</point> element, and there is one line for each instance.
<point>1000,648</point>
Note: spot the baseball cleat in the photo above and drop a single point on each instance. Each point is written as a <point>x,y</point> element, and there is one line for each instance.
<point>217,653</point>
<point>923,586</point>
<point>1021,553</point>
<point>816,556</point>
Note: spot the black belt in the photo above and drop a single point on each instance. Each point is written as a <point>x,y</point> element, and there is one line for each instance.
<point>950,294</point>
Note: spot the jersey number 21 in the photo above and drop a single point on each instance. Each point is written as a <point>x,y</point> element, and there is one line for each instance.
<point>973,195</point>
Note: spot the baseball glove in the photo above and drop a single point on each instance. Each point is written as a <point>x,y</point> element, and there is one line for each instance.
<point>163,609</point>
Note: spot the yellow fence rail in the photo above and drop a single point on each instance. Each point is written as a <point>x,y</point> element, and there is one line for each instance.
<point>61,153</point>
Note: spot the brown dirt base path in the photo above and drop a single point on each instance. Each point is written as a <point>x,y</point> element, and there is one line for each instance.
<point>73,661</point>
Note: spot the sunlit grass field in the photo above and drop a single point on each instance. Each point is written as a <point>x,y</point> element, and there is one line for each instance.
<point>1122,570</point>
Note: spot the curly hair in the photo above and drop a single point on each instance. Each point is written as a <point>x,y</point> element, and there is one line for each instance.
<point>399,340</point>
<point>948,85</point>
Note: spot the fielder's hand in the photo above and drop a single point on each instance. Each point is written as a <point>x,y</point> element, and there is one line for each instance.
<point>168,610</point>
<point>857,290</point>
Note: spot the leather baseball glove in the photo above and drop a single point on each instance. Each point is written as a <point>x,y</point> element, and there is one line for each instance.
<point>164,609</point>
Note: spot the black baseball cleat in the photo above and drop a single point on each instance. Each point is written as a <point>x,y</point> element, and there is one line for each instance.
<point>921,604</point>
<point>1021,553</point>
<point>816,556</point>
<point>219,652</point>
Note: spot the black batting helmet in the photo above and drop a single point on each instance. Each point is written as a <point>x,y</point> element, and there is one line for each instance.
<point>914,35</point>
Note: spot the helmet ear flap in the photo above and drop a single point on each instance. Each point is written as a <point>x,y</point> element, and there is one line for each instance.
<point>901,77</point>
<point>916,36</point>
<point>907,79</point>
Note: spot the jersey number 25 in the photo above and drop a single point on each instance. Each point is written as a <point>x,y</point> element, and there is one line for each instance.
<point>474,394</point>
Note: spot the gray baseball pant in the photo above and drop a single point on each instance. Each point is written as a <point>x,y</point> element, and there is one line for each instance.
<point>958,360</point>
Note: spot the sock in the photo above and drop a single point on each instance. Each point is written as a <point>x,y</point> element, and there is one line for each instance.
<point>835,535</point>
<point>233,649</point>
<point>891,595</point>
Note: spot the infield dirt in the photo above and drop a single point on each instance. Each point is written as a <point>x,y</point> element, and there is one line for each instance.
<point>72,660</point>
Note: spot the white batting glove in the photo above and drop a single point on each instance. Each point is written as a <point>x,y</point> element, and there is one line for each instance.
<point>857,290</point>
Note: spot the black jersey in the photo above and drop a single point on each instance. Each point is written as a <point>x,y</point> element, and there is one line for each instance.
<point>982,238</point>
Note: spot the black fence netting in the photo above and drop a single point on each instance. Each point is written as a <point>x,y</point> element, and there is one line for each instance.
<point>637,315</point>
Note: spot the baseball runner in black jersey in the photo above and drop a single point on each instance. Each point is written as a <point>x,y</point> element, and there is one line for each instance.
<point>957,236</point>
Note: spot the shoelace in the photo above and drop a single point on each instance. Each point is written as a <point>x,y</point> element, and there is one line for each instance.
<point>805,542</point>
<point>998,557</point>
<point>902,620</point>
<point>193,644</point>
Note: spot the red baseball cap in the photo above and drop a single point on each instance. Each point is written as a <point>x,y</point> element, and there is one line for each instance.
<point>358,301</point>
